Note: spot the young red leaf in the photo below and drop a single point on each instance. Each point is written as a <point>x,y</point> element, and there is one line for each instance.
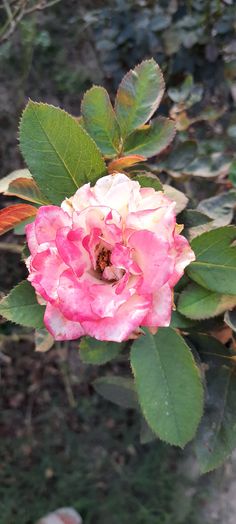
<point>125,161</point>
<point>13,215</point>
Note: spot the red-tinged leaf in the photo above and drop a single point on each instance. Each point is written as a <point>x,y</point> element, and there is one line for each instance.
<point>27,189</point>
<point>13,215</point>
<point>125,161</point>
<point>138,96</point>
<point>6,180</point>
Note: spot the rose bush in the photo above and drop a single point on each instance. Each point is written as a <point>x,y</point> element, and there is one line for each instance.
<point>106,261</point>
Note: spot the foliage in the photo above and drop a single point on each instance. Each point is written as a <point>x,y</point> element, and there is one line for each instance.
<point>62,153</point>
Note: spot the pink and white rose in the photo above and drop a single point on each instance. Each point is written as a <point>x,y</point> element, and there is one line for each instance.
<point>106,261</point>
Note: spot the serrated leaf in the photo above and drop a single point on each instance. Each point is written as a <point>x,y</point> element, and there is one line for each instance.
<point>151,140</point>
<point>19,173</point>
<point>138,96</point>
<point>230,319</point>
<point>21,306</point>
<point>149,180</point>
<point>199,303</point>
<point>59,152</point>
<point>27,189</point>
<point>119,390</point>
<point>215,264</point>
<point>168,385</point>
<point>43,340</point>
<point>181,322</point>
<point>216,437</point>
<point>13,215</point>
<point>100,121</point>
<point>119,164</point>
<point>97,352</point>
<point>178,197</point>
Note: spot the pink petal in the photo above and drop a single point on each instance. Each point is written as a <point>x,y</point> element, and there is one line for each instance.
<point>60,327</point>
<point>117,191</point>
<point>48,220</point>
<point>31,238</point>
<point>183,256</point>
<point>71,250</point>
<point>91,244</point>
<point>160,220</point>
<point>105,301</point>
<point>46,269</point>
<point>75,296</point>
<point>159,313</point>
<point>151,253</point>
<point>120,327</point>
<point>121,257</point>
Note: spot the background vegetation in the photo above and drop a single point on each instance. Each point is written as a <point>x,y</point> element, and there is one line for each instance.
<point>61,444</point>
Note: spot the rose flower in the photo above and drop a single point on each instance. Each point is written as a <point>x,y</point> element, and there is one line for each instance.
<point>106,261</point>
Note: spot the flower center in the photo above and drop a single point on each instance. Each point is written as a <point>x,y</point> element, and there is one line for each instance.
<point>103,260</point>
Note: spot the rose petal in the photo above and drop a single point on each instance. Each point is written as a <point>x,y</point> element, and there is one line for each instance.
<point>60,327</point>
<point>48,220</point>
<point>70,247</point>
<point>46,269</point>
<point>120,327</point>
<point>183,256</point>
<point>152,254</point>
<point>159,313</point>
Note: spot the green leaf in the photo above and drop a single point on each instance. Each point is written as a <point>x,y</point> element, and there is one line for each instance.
<point>97,352</point>
<point>59,152</point>
<point>215,265</point>
<point>179,198</point>
<point>168,385</point>
<point>211,350</point>
<point>119,390</point>
<point>183,91</point>
<point>192,218</point>
<point>20,228</point>
<point>21,306</point>
<point>146,179</point>
<point>230,319</point>
<point>199,303</point>
<point>232,173</point>
<point>181,322</point>
<point>216,437</point>
<point>195,223</point>
<point>138,96</point>
<point>100,120</point>
<point>209,166</point>
<point>182,155</point>
<point>151,140</point>
<point>219,208</point>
